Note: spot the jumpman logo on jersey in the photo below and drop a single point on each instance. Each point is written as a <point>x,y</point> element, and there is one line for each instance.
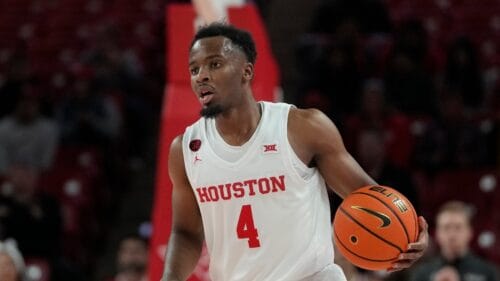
<point>196,159</point>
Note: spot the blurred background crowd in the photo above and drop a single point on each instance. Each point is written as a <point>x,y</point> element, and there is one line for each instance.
<point>412,85</point>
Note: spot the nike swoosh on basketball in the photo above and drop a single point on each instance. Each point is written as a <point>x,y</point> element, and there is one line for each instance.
<point>386,221</point>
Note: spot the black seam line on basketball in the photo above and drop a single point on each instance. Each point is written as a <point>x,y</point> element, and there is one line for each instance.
<point>359,256</point>
<point>392,211</point>
<point>373,233</point>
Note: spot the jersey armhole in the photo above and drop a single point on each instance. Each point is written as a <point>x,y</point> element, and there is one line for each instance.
<point>299,168</point>
<point>185,153</point>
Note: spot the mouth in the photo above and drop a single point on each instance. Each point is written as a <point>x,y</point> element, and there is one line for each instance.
<point>205,98</point>
<point>205,94</point>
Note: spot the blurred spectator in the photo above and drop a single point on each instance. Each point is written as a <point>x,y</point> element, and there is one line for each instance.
<point>11,261</point>
<point>133,252</point>
<point>330,77</point>
<point>372,157</point>
<point>114,66</point>
<point>451,140</point>
<point>334,73</point>
<point>375,114</point>
<point>132,259</point>
<point>120,72</point>
<point>34,219</point>
<point>455,261</point>
<point>26,211</point>
<point>331,58</point>
<point>26,137</point>
<point>342,78</point>
<point>410,86</point>
<point>462,72</point>
<point>88,116</point>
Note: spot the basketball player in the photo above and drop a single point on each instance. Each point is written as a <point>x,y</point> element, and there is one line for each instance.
<point>250,178</point>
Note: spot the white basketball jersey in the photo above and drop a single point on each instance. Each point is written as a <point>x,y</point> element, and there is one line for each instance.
<point>264,219</point>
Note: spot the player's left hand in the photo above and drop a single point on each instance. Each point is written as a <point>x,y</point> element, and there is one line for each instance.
<point>415,250</point>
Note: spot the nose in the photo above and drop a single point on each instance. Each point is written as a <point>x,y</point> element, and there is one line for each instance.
<point>203,75</point>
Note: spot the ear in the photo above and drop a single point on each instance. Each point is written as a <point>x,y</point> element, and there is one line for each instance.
<point>248,72</point>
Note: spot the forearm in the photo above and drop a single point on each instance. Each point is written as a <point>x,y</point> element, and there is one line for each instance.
<point>183,253</point>
<point>348,175</point>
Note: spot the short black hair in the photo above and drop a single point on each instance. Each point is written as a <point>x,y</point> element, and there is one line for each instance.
<point>135,237</point>
<point>238,37</point>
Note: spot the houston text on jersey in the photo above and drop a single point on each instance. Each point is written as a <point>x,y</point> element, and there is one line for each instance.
<point>239,189</point>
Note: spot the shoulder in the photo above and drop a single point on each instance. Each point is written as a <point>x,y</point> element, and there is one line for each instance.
<point>313,127</point>
<point>176,144</point>
<point>6,123</point>
<point>308,119</point>
<point>476,262</point>
<point>176,157</point>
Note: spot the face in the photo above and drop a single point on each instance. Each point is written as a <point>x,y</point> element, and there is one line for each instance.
<point>219,74</point>
<point>132,253</point>
<point>24,180</point>
<point>371,149</point>
<point>373,101</point>
<point>453,233</point>
<point>7,268</point>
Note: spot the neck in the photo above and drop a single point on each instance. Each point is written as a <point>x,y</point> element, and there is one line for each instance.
<point>451,256</point>
<point>237,124</point>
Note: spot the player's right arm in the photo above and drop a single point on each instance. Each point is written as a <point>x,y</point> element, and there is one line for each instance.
<point>186,238</point>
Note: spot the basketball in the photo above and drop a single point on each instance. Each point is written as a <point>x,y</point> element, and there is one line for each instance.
<point>373,225</point>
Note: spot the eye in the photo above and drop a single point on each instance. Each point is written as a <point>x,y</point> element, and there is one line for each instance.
<point>215,64</point>
<point>194,70</point>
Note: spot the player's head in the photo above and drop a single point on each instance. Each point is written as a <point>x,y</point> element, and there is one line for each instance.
<point>221,65</point>
<point>453,229</point>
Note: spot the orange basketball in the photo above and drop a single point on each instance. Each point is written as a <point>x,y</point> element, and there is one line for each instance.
<point>373,225</point>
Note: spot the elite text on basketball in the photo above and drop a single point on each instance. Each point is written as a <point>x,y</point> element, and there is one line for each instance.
<point>398,202</point>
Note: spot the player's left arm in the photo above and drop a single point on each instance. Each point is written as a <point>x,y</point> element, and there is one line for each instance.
<point>316,139</point>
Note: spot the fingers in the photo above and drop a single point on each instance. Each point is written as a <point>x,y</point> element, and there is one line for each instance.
<point>417,246</point>
<point>423,237</point>
<point>410,256</point>
<point>405,260</point>
<point>414,250</point>
<point>392,269</point>
<point>423,225</point>
<point>400,265</point>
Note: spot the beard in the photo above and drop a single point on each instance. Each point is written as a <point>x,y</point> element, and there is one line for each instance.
<point>211,111</point>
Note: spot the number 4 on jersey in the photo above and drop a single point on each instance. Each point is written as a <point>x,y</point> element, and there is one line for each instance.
<point>246,228</point>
